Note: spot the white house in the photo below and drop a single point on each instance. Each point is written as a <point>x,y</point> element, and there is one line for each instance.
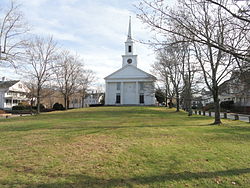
<point>11,93</point>
<point>129,85</point>
<point>89,99</point>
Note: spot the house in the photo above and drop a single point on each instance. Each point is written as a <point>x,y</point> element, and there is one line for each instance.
<point>202,99</point>
<point>236,89</point>
<point>12,92</point>
<point>129,85</point>
<point>91,98</point>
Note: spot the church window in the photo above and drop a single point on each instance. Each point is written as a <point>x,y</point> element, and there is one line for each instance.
<point>118,86</point>
<point>141,85</point>
<point>118,98</point>
<point>141,98</point>
<point>129,48</point>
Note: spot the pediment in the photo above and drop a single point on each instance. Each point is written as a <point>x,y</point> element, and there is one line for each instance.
<point>19,87</point>
<point>129,71</point>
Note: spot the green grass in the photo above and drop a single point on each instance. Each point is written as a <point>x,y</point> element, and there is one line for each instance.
<point>123,147</point>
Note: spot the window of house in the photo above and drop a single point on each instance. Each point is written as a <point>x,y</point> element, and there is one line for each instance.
<point>118,86</point>
<point>141,98</point>
<point>141,85</point>
<point>118,98</point>
<point>129,48</point>
<point>20,86</point>
<point>8,101</point>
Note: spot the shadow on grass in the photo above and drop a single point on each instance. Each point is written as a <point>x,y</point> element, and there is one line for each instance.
<point>86,127</point>
<point>81,180</point>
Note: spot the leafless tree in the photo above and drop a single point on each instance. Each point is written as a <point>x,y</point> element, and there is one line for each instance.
<point>68,74</point>
<point>216,39</point>
<point>12,30</point>
<point>186,16</point>
<point>188,75</point>
<point>240,23</point>
<point>170,67</point>
<point>238,9</point>
<point>160,69</point>
<point>216,65</point>
<point>87,77</point>
<point>41,54</point>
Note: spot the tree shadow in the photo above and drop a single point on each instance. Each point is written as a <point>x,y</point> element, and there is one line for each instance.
<point>80,127</point>
<point>83,180</point>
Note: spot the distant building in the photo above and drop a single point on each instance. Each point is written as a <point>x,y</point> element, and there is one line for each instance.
<point>130,85</point>
<point>77,101</point>
<point>12,92</point>
<point>52,96</point>
<point>236,89</point>
<point>202,99</point>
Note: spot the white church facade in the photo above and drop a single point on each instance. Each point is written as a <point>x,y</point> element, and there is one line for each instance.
<point>129,85</point>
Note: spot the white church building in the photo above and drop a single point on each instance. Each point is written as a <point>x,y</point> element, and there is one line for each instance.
<point>129,85</point>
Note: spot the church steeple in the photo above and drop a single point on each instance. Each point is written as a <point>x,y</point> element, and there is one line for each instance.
<point>129,58</point>
<point>129,30</point>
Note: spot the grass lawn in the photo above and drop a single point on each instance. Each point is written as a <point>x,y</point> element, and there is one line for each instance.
<point>123,147</point>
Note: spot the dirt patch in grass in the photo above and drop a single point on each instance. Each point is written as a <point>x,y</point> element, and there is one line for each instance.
<point>88,151</point>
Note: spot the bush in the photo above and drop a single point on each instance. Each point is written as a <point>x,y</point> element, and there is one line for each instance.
<point>20,107</point>
<point>58,106</point>
<point>24,103</point>
<point>41,107</point>
<point>95,105</point>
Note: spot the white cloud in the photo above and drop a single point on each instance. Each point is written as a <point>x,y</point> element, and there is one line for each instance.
<point>95,29</point>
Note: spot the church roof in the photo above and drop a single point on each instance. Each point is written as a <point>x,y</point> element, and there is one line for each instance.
<point>130,72</point>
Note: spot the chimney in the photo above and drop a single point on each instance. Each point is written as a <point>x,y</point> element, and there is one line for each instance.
<point>3,79</point>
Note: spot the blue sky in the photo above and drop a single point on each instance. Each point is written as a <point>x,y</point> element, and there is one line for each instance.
<point>95,29</point>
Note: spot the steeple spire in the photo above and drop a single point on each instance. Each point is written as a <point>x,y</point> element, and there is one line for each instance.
<point>129,57</point>
<point>129,29</point>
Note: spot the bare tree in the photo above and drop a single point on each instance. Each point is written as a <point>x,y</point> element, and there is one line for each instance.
<point>41,54</point>
<point>170,67</point>
<point>186,17</point>
<point>216,39</point>
<point>240,23</point>
<point>68,74</point>
<point>87,78</point>
<point>161,70</point>
<point>188,76</point>
<point>216,65</point>
<point>238,9</point>
<point>12,29</point>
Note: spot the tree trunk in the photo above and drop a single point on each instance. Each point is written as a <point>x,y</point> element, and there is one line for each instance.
<point>65,102</point>
<point>177,102</point>
<point>216,108</point>
<point>166,97</point>
<point>170,105</point>
<point>189,101</point>
<point>83,101</point>
<point>189,107</point>
<point>38,101</point>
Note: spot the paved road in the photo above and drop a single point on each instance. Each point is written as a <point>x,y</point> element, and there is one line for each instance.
<point>242,117</point>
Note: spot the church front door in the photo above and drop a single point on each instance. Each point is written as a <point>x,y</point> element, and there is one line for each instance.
<point>129,95</point>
